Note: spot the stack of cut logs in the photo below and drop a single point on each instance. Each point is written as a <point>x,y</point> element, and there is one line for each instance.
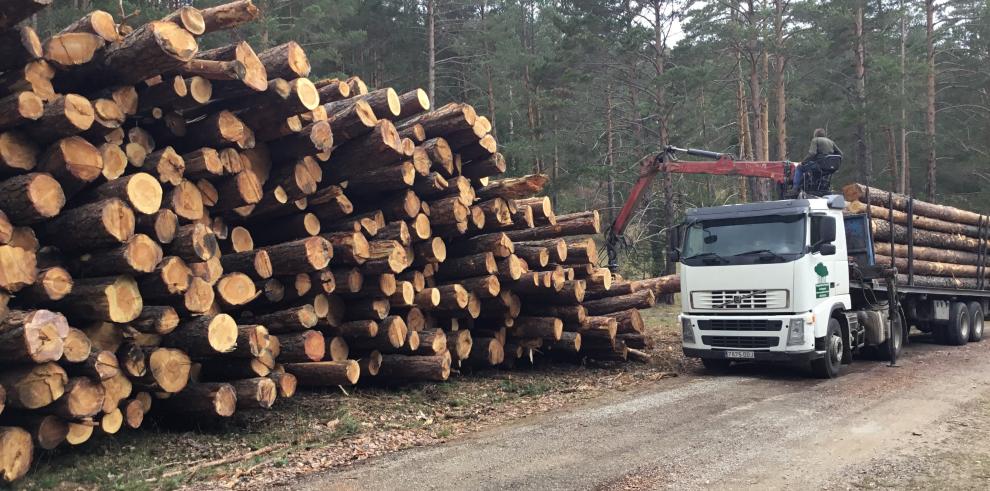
<point>949,245</point>
<point>196,232</point>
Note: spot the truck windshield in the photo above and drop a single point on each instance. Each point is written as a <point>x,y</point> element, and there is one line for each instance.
<point>750,240</point>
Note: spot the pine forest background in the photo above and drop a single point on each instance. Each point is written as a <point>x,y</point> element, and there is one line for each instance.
<point>585,90</point>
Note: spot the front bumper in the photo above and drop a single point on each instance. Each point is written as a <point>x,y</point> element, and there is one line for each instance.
<point>764,335</point>
<point>771,356</point>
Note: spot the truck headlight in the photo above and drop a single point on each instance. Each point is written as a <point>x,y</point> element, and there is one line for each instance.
<point>687,331</point>
<point>795,332</point>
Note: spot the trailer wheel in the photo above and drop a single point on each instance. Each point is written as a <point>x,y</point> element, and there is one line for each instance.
<point>828,366</point>
<point>715,364</point>
<point>896,339</point>
<point>975,321</point>
<point>957,332</point>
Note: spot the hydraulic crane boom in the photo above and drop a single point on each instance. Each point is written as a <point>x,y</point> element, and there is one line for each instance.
<point>723,165</point>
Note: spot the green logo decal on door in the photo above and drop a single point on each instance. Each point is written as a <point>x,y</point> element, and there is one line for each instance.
<point>822,287</point>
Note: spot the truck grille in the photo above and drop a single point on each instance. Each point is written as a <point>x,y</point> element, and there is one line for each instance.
<point>739,325</point>
<point>739,299</point>
<point>740,342</point>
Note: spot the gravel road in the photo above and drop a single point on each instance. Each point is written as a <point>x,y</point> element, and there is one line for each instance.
<point>757,427</point>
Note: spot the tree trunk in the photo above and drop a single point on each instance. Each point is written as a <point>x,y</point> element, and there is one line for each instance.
<point>930,109</point>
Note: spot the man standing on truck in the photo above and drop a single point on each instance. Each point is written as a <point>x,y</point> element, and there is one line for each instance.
<point>821,146</point>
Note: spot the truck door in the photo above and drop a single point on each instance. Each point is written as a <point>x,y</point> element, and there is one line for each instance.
<point>828,251</point>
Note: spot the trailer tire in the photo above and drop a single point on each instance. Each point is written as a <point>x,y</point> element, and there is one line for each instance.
<point>957,332</point>
<point>975,321</point>
<point>715,364</point>
<point>828,366</point>
<point>896,337</point>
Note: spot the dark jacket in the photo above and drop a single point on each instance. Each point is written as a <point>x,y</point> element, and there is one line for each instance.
<point>820,147</point>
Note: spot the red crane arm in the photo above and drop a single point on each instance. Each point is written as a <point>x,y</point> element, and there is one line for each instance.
<point>622,219</point>
<point>725,166</point>
<point>778,171</point>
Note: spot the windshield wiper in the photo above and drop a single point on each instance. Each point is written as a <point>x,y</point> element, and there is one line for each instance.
<point>761,251</point>
<point>708,255</point>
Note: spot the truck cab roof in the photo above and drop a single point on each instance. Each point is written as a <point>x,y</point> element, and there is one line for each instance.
<point>782,207</point>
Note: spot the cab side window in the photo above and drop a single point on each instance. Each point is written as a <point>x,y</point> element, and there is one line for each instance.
<point>816,226</point>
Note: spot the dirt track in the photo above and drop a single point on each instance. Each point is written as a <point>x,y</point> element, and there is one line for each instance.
<point>758,427</point>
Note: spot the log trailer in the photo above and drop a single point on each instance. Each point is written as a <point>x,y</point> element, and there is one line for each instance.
<point>820,279</point>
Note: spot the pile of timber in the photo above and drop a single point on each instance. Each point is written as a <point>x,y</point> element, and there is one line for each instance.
<point>190,233</point>
<point>940,246</point>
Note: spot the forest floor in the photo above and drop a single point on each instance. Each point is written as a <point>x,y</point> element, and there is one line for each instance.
<point>323,430</point>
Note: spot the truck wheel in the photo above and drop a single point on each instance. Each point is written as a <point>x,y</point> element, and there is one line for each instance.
<point>957,332</point>
<point>828,366</point>
<point>975,321</point>
<point>715,364</point>
<point>896,340</point>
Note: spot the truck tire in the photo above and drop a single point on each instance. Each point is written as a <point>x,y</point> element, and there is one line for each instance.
<point>896,340</point>
<point>957,332</point>
<point>975,321</point>
<point>716,365</point>
<point>828,366</point>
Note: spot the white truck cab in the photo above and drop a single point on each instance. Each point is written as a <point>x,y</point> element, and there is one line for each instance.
<point>797,281</point>
<point>762,281</point>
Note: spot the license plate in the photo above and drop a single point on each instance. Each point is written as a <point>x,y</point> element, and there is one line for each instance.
<point>745,355</point>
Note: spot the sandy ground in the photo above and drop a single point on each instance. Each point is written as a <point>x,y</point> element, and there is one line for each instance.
<point>919,425</point>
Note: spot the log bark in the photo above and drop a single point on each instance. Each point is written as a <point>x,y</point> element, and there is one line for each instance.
<point>160,225</point>
<point>858,192</point>
<point>920,222</point>
<point>253,393</point>
<point>499,244</point>
<point>301,256</point>
<point>289,320</point>
<point>74,162</point>
<point>19,109</point>
<point>112,299</point>
<point>285,382</point>
<point>628,321</point>
<point>102,224</point>
<point>205,336</point>
<point>405,368</point>
<point>216,399</point>
<point>486,352</point>
<point>31,198</point>
<point>490,166</point>
<point>448,119</point>
<point>32,336</point>
<point>302,346</point>
<point>583,223</point>
<point>140,254</point>
<point>538,327</point>
<point>643,299</point>
<point>229,15</point>
<point>925,238</point>
<point>325,373</point>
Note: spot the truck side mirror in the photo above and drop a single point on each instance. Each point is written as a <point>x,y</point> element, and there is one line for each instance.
<point>674,248</point>
<point>826,230</point>
<point>823,235</point>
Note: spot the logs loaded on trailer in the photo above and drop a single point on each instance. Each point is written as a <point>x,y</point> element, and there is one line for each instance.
<point>194,233</point>
<point>930,245</point>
